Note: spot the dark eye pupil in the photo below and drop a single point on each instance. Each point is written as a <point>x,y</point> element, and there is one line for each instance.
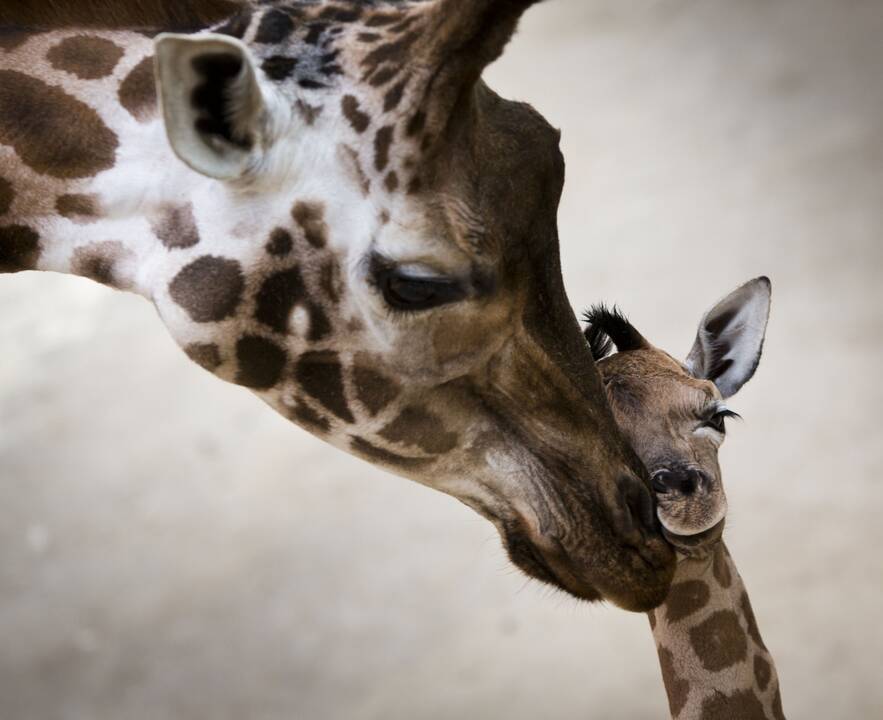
<point>401,291</point>
<point>717,422</point>
<point>404,293</point>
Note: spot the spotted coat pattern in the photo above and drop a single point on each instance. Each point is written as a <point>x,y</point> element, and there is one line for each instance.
<point>372,138</point>
<point>92,91</point>
<point>714,663</point>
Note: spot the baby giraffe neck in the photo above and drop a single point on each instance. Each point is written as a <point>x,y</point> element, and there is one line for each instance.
<point>714,663</point>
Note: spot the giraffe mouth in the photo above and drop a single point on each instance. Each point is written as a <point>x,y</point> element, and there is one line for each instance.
<point>696,543</point>
<point>547,560</point>
<point>525,555</point>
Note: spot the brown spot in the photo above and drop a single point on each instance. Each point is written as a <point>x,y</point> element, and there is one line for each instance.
<point>677,689</point>
<point>403,25</point>
<point>382,76</point>
<point>321,376</point>
<point>308,112</point>
<point>415,186</point>
<point>236,25</point>
<point>85,56</point>
<point>19,248</point>
<point>393,54</point>
<point>379,19</point>
<point>686,598</point>
<point>719,641</point>
<point>652,616</point>
<point>378,455</point>
<point>750,620</point>
<point>382,142</point>
<point>419,428</point>
<point>52,132</point>
<point>762,672</point>
<point>721,566</point>
<point>373,389</point>
<point>741,705</point>
<point>100,262</point>
<point>416,124</point>
<point>11,38</point>
<point>392,182</point>
<point>279,67</point>
<point>279,294</point>
<point>7,195</point>
<point>176,227</point>
<point>320,325</point>
<point>206,355</point>
<point>138,91</point>
<point>280,243</point>
<point>309,216</point>
<point>356,117</point>
<point>209,288</point>
<point>394,96</point>
<point>261,362</point>
<point>305,416</point>
<point>330,281</point>
<point>275,27</point>
<point>74,206</point>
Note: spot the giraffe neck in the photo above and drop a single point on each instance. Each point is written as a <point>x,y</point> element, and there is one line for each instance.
<point>89,184</point>
<point>73,205</point>
<point>714,663</point>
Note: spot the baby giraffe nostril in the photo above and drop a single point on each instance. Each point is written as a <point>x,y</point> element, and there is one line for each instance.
<point>660,482</point>
<point>685,482</point>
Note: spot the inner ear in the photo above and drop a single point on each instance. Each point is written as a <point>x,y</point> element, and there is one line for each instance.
<point>730,338</point>
<point>212,103</point>
<point>213,97</point>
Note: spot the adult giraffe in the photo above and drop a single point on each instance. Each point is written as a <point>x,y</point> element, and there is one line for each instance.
<point>327,205</point>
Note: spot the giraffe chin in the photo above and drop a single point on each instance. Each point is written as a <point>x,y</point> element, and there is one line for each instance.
<point>697,543</point>
<point>644,589</point>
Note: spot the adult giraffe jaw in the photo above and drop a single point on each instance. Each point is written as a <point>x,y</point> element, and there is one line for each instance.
<point>327,206</point>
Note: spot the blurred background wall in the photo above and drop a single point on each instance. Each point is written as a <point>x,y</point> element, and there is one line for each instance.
<point>169,548</point>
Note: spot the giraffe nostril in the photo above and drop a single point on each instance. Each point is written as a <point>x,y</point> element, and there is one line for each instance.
<point>660,482</point>
<point>685,482</point>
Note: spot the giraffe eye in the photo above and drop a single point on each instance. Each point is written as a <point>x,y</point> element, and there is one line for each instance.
<point>411,294</point>
<point>717,421</point>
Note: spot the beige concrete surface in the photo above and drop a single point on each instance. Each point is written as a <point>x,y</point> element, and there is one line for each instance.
<point>169,548</point>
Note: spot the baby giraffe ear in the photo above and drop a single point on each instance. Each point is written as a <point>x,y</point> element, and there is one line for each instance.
<point>730,337</point>
<point>212,103</point>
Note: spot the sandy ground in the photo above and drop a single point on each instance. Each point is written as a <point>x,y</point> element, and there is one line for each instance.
<point>169,548</point>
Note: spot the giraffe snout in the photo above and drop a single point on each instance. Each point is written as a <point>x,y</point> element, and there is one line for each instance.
<point>686,481</point>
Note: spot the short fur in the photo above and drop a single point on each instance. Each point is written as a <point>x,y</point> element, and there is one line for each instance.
<point>167,14</point>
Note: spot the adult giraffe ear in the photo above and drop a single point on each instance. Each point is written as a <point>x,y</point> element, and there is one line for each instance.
<point>212,104</point>
<point>464,37</point>
<point>730,337</point>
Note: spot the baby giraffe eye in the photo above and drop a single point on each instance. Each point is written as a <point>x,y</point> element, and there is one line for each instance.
<point>716,421</point>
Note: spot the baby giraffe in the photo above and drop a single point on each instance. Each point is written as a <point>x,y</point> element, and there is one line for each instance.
<point>714,663</point>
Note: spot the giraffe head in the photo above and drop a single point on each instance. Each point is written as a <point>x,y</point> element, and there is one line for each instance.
<point>385,269</point>
<point>674,413</point>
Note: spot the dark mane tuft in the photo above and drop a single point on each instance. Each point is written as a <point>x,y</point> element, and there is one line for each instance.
<point>606,327</point>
